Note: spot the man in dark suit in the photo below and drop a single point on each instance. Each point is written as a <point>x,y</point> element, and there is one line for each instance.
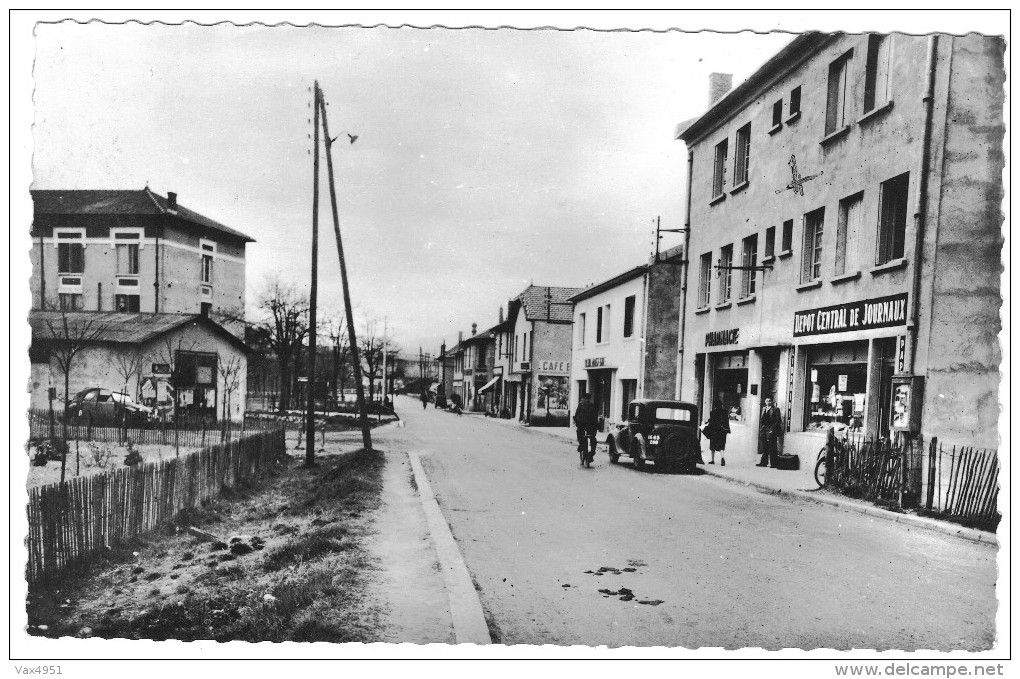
<point>770,429</point>
<point>586,419</point>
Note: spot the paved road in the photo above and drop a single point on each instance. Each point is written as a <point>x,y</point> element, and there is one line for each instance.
<point>731,567</point>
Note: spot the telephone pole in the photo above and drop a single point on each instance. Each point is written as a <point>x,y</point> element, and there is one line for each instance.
<point>366,432</point>
<point>310,422</point>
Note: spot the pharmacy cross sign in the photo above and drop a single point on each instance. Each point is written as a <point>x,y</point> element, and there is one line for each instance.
<point>797,184</point>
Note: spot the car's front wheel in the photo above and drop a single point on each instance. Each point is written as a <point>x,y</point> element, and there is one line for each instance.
<point>614,455</point>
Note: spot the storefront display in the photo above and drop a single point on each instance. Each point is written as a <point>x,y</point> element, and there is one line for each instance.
<point>838,387</point>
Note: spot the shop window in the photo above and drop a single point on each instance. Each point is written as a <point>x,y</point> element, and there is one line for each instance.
<point>725,273</point>
<point>128,303</point>
<point>742,156</point>
<point>749,259</point>
<point>770,242</point>
<point>628,315</point>
<point>628,391</point>
<point>70,258</point>
<point>892,224</point>
<point>837,107</point>
<point>787,236</point>
<point>848,230</point>
<point>795,101</point>
<point>837,396</point>
<point>876,75</point>
<point>581,322</point>
<point>127,259</point>
<point>70,301</point>
<point>705,280</point>
<point>811,257</point>
<point>719,172</point>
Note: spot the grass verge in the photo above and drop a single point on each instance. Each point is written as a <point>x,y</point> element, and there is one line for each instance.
<point>304,580</point>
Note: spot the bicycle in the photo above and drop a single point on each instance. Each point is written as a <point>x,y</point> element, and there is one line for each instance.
<point>586,446</point>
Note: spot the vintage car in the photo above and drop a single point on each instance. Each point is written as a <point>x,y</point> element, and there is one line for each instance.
<point>101,407</point>
<point>661,431</point>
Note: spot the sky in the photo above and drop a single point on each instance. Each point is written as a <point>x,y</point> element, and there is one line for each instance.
<point>486,160</point>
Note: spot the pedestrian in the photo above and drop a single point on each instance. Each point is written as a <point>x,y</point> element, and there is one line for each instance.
<point>424,399</point>
<point>716,429</point>
<point>770,429</point>
<point>587,422</point>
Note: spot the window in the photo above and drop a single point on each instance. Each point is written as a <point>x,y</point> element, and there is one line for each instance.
<point>848,230</point>
<point>719,173</point>
<point>770,242</point>
<point>892,219</point>
<point>749,259</point>
<point>207,268</point>
<point>787,236</point>
<point>725,273</point>
<point>602,325</point>
<point>70,301</point>
<point>705,280</point>
<point>795,101</point>
<point>206,309</point>
<point>777,114</point>
<point>127,258</point>
<point>128,303</point>
<point>581,322</point>
<point>876,75</point>
<point>71,258</point>
<point>628,315</point>
<point>742,160</point>
<point>837,108</point>
<point>516,342</point>
<point>811,256</point>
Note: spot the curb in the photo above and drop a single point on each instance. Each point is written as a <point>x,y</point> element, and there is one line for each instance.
<point>469,624</point>
<point>972,534</point>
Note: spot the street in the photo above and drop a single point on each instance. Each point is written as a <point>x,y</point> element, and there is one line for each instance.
<point>612,555</point>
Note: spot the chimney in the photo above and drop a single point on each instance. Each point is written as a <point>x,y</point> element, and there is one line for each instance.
<point>460,336</point>
<point>718,85</point>
<point>171,200</point>
<point>474,329</point>
<point>501,313</point>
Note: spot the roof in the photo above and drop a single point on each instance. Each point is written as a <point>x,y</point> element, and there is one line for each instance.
<point>620,279</point>
<point>545,303</point>
<point>798,49</point>
<point>113,327</point>
<point>122,202</point>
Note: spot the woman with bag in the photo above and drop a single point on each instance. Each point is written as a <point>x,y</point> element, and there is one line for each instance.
<point>716,429</point>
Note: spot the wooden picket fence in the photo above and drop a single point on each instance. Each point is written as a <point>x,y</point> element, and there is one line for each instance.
<point>70,522</point>
<point>963,482</point>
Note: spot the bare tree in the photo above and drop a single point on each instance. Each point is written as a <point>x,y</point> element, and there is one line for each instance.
<point>371,354</point>
<point>169,353</point>
<point>340,353</point>
<point>68,334</point>
<point>285,321</point>
<point>229,372</point>
<point>128,363</point>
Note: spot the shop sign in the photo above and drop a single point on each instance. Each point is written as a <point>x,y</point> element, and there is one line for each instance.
<point>722,337</point>
<point>881,312</point>
<point>599,362</point>
<point>554,367</point>
<point>842,382</point>
<point>160,368</point>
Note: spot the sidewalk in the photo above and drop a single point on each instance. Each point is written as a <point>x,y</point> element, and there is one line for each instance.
<point>740,468</point>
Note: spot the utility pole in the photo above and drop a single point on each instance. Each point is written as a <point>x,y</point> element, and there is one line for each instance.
<point>366,432</point>
<point>385,385</point>
<point>310,422</point>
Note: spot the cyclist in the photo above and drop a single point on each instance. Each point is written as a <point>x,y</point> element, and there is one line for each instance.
<point>587,422</point>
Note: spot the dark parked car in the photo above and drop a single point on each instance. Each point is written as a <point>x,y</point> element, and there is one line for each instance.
<point>661,431</point>
<point>101,407</point>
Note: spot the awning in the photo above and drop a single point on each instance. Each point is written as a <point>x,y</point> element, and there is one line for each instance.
<point>488,385</point>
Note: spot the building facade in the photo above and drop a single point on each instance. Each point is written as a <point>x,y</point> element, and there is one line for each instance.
<point>539,378</point>
<point>148,356</point>
<point>135,251</point>
<point>625,337</point>
<point>845,240</point>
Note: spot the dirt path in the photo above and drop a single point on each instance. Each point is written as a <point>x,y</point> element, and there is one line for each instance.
<point>409,586</point>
